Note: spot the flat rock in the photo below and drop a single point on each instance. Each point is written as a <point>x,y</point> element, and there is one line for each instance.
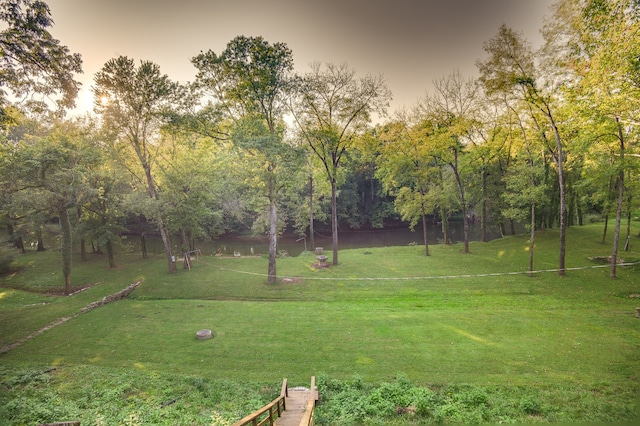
<point>203,334</point>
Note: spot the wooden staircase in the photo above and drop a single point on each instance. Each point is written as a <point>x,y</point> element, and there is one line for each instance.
<point>294,407</point>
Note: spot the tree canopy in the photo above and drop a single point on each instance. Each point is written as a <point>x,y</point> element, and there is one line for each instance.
<point>542,138</point>
<point>32,61</point>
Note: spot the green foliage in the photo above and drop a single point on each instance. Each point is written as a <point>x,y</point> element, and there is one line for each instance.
<point>100,396</point>
<point>8,255</point>
<point>32,61</point>
<point>400,402</point>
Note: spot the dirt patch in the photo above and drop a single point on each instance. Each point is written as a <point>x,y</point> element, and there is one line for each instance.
<point>292,280</point>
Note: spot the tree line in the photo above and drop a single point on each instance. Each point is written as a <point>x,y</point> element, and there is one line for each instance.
<point>547,137</point>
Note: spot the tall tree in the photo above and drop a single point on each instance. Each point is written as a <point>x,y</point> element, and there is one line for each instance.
<point>32,61</point>
<point>249,79</point>
<point>102,215</point>
<point>598,47</point>
<point>50,172</point>
<point>489,149</point>
<point>408,169</point>
<point>450,109</point>
<point>510,68</point>
<point>524,191</point>
<point>332,110</point>
<point>132,102</point>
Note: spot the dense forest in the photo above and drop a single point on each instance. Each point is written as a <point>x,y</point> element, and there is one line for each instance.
<point>544,137</point>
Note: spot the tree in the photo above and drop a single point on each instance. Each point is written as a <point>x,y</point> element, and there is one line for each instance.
<point>101,217</point>
<point>408,169</point>
<point>450,109</point>
<point>131,101</point>
<point>332,110</point>
<point>49,172</point>
<point>32,61</point>
<point>308,197</point>
<point>489,150</point>
<point>510,69</point>
<point>249,80</point>
<point>190,190</point>
<point>600,54</point>
<point>523,181</point>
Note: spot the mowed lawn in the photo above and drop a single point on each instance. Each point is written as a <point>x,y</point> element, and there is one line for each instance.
<point>443,319</point>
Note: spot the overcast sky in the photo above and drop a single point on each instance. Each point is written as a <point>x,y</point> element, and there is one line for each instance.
<point>410,42</point>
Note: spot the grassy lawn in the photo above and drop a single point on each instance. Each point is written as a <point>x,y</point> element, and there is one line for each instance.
<point>449,319</point>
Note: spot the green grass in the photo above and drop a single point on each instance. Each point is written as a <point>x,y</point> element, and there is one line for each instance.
<point>445,320</point>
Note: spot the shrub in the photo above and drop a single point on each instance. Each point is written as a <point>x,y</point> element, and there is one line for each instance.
<point>7,256</point>
<point>530,406</point>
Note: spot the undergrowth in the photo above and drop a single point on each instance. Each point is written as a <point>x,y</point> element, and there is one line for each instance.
<point>102,396</point>
<point>399,402</point>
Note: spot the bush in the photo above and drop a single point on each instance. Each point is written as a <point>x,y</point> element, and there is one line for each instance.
<point>8,255</point>
<point>530,406</point>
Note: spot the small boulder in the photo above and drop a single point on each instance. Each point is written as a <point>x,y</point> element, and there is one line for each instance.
<point>203,334</point>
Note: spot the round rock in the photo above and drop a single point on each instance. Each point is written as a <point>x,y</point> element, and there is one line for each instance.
<point>203,334</point>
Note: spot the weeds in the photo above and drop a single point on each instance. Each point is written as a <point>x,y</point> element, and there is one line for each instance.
<point>101,396</point>
<point>399,402</point>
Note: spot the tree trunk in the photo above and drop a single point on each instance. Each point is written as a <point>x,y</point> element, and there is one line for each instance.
<point>40,244</point>
<point>483,219</point>
<point>273,236</point>
<point>616,232</point>
<point>164,231</point>
<point>629,200</point>
<point>563,197</point>
<point>334,221</point>
<point>312,240</point>
<point>83,249</point>
<point>424,233</point>
<point>626,245</point>
<point>445,226</point>
<point>110,256</point>
<point>66,247</point>
<point>604,231</point>
<point>166,241</point>
<point>532,237</point>
<point>463,202</point>
<point>143,245</point>
<point>580,213</point>
<point>19,244</point>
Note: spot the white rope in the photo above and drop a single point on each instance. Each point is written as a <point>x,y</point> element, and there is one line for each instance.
<point>494,274</point>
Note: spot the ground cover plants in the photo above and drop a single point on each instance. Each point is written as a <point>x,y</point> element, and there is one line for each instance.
<point>394,337</point>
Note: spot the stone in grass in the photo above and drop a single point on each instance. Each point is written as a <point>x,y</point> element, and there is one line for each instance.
<point>203,334</point>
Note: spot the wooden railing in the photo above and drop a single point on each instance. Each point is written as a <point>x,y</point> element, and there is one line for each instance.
<point>309,412</point>
<point>273,410</point>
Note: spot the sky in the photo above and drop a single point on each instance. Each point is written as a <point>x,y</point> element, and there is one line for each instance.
<point>410,42</point>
